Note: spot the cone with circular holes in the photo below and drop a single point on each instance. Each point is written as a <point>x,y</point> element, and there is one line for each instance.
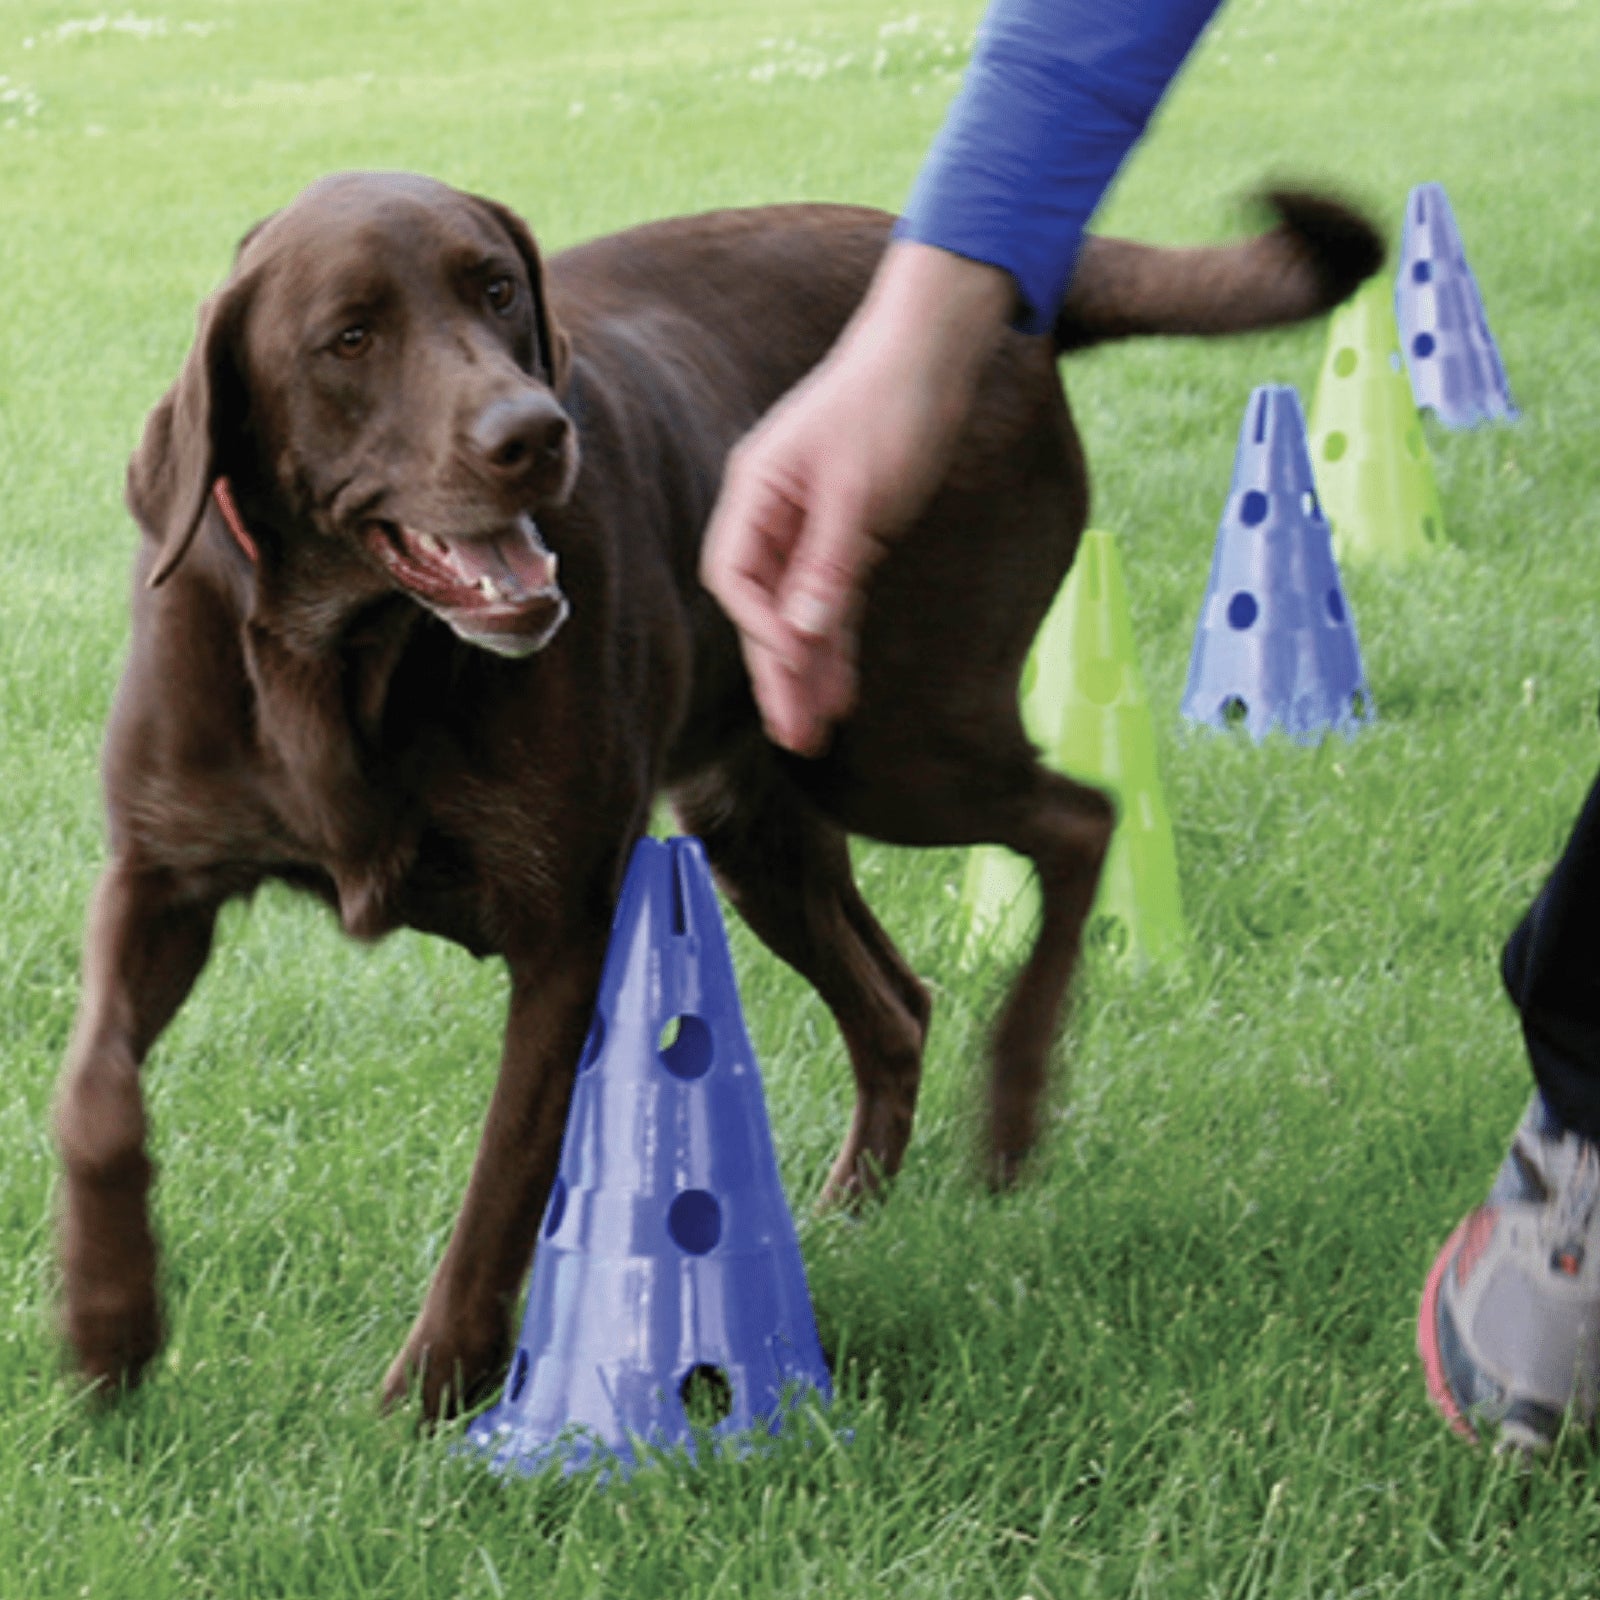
<point>1372,463</point>
<point>1450,354</point>
<point>668,1305</point>
<point>1083,703</point>
<point>1275,646</point>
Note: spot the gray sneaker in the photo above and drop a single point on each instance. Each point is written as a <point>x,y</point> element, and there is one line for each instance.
<point>1509,1327</point>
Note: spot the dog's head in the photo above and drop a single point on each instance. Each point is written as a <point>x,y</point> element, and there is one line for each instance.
<point>379,378</point>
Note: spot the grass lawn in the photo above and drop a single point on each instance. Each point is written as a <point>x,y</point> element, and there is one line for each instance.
<point>1179,1360</point>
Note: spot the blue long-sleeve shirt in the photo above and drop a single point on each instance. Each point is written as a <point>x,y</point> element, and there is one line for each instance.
<point>1057,93</point>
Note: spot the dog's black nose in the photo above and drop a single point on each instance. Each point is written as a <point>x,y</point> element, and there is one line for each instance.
<point>520,433</point>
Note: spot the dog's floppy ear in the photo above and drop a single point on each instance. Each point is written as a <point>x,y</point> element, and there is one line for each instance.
<point>554,348</point>
<point>186,437</point>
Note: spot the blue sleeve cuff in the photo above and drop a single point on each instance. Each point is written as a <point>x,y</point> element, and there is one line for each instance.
<point>1056,96</point>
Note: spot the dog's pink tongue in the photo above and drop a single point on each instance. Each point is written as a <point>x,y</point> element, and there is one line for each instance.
<point>516,563</point>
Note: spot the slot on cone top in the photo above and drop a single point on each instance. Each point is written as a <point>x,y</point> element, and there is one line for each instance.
<point>1275,646</point>
<point>1374,473</point>
<point>668,1301</point>
<point>1450,354</point>
<point>1084,705</point>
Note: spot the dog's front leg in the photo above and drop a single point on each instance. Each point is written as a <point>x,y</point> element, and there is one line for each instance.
<point>459,1344</point>
<point>148,938</point>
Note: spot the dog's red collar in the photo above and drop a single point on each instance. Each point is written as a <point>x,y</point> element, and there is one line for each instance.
<point>222,493</point>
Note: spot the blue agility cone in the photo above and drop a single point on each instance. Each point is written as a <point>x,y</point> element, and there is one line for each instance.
<point>668,1301</point>
<point>1451,356</point>
<point>1275,644</point>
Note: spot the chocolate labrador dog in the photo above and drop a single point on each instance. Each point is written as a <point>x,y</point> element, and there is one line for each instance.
<point>417,628</point>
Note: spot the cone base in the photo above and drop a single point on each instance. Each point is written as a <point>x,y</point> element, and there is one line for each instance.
<point>508,1445</point>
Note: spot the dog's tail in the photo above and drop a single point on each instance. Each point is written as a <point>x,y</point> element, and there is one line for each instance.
<point>1319,253</point>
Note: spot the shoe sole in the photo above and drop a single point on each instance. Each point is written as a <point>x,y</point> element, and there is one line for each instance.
<point>1428,1336</point>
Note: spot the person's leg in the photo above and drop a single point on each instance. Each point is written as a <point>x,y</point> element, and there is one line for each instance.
<point>1552,970</point>
<point>1509,1327</point>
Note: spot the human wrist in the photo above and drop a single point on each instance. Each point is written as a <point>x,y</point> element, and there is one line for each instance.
<point>934,315</point>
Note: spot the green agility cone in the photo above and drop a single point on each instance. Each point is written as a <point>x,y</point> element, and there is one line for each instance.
<point>1084,705</point>
<point>1374,473</point>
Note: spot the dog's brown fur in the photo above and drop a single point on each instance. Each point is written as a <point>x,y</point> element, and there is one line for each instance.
<point>389,354</point>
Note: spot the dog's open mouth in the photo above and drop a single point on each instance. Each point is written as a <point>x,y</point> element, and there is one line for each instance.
<point>496,589</point>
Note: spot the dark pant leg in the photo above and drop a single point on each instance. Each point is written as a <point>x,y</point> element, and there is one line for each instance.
<point>1552,970</point>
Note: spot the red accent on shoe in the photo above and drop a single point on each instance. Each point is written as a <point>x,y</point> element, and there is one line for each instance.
<point>1479,1231</point>
<point>1428,1323</point>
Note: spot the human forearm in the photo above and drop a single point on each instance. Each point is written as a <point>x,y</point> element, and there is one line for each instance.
<point>1057,94</point>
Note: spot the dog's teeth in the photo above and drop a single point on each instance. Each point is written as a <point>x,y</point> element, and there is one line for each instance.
<point>432,541</point>
<point>489,589</point>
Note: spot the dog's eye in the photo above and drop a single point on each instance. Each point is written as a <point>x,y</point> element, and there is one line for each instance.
<point>501,292</point>
<point>352,341</point>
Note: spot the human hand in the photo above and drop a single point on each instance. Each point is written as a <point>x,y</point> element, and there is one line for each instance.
<point>816,493</point>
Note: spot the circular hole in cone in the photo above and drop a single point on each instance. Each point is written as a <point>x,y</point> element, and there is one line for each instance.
<point>1334,446</point>
<point>1253,508</point>
<point>1243,611</point>
<point>1344,362</point>
<point>707,1395</point>
<point>1336,605</point>
<point>1234,711</point>
<point>685,1047</point>
<point>694,1222</point>
<point>1421,271</point>
<point>1423,346</point>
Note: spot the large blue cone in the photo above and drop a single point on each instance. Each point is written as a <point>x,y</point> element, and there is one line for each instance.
<point>667,1269</point>
<point>1451,356</point>
<point>1275,646</point>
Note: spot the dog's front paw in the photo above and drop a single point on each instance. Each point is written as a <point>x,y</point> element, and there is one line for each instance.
<point>113,1327</point>
<point>1013,1136</point>
<point>113,1345</point>
<point>855,1183</point>
<point>109,1313</point>
<point>447,1371</point>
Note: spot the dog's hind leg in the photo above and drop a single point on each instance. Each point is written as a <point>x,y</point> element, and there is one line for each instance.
<point>927,781</point>
<point>148,938</point>
<point>786,869</point>
<point>1064,829</point>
